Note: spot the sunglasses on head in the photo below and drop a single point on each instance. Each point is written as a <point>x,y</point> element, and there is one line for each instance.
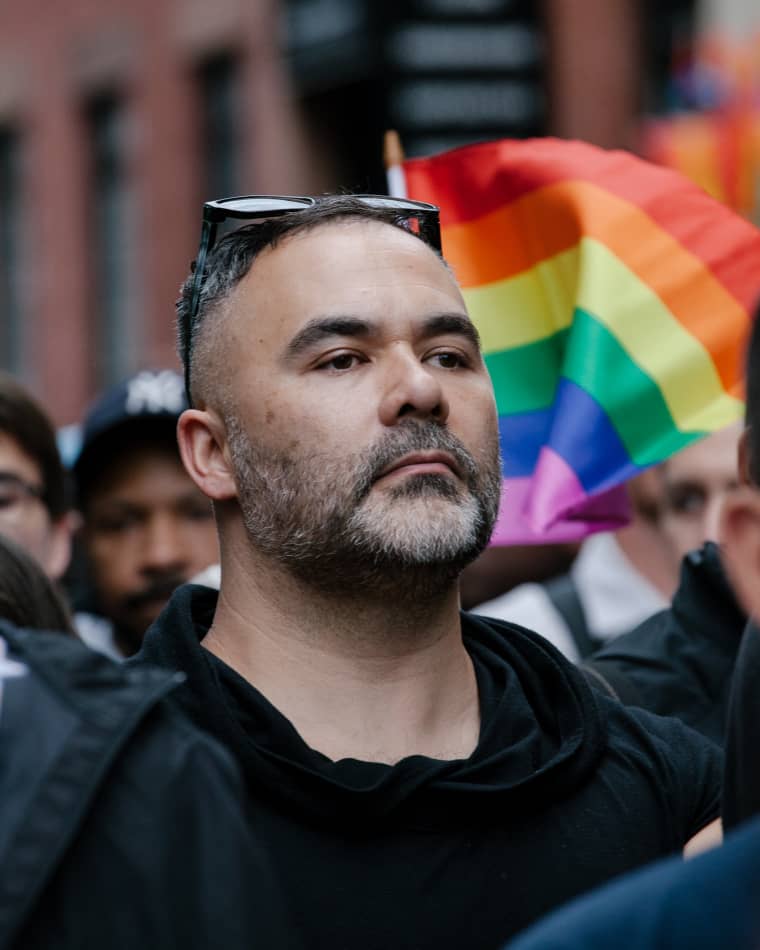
<point>422,219</point>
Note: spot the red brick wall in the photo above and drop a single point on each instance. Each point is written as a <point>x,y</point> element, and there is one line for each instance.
<point>53,58</point>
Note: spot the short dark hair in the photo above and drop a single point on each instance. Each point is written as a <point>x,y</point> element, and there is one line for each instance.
<point>25,421</point>
<point>233,256</point>
<point>752,414</point>
<point>27,597</point>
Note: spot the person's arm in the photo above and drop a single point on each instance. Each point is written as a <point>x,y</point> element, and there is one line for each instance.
<point>711,836</point>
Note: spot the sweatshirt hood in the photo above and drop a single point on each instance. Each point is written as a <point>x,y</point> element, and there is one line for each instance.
<point>543,729</point>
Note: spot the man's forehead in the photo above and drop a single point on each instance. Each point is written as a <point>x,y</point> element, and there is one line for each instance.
<point>329,246</point>
<point>346,266</point>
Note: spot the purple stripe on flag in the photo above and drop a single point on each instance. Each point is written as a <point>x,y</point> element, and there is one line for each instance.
<point>523,514</point>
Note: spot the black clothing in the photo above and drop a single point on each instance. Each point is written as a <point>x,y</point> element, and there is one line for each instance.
<point>121,826</point>
<point>679,662</point>
<point>708,903</point>
<point>565,789</point>
<point>741,776</point>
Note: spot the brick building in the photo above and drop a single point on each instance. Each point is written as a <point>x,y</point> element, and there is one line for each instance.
<point>119,117</point>
<point>106,112</point>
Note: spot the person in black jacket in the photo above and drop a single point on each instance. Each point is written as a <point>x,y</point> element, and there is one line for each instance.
<point>680,661</point>
<point>418,777</point>
<point>121,825</point>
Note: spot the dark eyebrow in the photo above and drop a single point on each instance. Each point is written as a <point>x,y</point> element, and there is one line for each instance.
<point>456,323</point>
<point>322,327</point>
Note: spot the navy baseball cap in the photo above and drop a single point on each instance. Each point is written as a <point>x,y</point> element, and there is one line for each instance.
<point>151,400</point>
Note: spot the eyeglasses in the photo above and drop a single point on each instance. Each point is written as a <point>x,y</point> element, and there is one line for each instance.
<point>14,492</point>
<point>422,218</point>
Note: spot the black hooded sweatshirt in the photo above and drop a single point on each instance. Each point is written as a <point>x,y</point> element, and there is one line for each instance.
<point>565,789</point>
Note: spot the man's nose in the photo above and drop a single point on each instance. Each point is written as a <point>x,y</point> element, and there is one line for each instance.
<point>412,389</point>
<point>163,548</point>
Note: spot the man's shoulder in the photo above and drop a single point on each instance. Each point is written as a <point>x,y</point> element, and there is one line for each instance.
<point>661,747</point>
<point>654,730</point>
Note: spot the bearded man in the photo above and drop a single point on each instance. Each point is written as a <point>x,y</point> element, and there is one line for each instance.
<point>419,777</point>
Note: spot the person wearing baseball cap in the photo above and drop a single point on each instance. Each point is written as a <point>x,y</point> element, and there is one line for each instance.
<point>146,527</point>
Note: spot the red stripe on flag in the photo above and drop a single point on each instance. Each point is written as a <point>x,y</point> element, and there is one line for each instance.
<point>475,180</point>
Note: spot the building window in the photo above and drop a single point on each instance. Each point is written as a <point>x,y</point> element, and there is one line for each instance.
<point>113,241</point>
<point>220,126</point>
<point>11,252</point>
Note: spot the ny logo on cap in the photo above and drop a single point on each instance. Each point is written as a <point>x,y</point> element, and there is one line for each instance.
<point>155,392</point>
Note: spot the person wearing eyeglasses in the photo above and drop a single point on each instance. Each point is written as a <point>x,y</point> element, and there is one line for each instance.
<point>34,509</point>
<point>419,776</point>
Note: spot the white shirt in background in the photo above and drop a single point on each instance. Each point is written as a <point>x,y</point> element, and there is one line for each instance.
<point>615,598</point>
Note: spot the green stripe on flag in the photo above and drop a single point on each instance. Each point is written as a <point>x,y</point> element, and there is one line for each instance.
<point>525,377</point>
<point>595,360</point>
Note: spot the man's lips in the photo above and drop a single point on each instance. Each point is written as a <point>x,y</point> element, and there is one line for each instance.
<point>421,463</point>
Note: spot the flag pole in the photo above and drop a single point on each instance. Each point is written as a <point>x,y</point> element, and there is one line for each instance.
<point>393,156</point>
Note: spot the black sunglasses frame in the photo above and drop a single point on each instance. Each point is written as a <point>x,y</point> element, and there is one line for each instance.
<point>274,206</point>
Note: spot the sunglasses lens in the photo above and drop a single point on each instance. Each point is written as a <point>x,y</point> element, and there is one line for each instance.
<point>422,217</point>
<point>260,204</point>
<point>396,204</point>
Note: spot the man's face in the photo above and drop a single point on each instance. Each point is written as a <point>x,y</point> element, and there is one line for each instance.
<point>361,420</point>
<point>147,529</point>
<point>23,516</point>
<point>695,484</point>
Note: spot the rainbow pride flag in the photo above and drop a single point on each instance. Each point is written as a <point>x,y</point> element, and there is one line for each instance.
<point>712,134</point>
<point>613,299</point>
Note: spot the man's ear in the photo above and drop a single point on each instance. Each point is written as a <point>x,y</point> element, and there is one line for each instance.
<point>202,445</point>
<point>740,541</point>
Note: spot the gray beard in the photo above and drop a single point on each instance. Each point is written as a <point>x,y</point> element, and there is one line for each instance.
<point>316,516</point>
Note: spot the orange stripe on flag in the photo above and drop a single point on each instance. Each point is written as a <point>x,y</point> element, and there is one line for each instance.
<point>474,181</point>
<point>495,247</point>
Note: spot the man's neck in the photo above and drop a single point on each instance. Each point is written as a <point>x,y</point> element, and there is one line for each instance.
<point>364,677</point>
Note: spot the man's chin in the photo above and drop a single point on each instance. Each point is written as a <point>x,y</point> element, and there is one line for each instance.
<point>439,537</point>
